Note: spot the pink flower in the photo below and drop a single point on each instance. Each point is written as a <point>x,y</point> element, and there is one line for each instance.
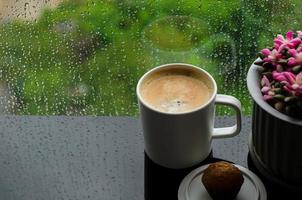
<point>296,58</point>
<point>266,89</point>
<point>284,76</point>
<point>293,83</point>
<point>271,56</point>
<point>290,42</point>
<point>281,82</point>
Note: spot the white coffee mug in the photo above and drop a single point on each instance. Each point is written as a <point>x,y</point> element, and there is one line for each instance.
<point>181,140</point>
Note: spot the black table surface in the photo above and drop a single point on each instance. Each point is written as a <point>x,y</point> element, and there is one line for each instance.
<point>79,158</point>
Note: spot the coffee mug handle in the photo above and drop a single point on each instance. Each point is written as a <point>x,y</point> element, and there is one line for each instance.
<point>236,105</point>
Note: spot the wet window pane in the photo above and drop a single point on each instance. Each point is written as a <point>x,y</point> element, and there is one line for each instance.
<point>82,57</point>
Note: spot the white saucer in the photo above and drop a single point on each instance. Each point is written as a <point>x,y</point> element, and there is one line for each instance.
<point>191,188</point>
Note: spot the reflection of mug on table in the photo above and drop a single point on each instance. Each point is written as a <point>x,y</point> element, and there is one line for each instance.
<point>177,111</point>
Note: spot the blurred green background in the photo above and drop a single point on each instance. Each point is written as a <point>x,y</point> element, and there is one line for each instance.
<point>85,57</point>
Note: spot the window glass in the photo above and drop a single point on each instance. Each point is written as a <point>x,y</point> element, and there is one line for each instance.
<point>81,57</point>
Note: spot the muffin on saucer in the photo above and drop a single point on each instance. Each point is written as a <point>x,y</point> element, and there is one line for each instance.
<point>222,180</point>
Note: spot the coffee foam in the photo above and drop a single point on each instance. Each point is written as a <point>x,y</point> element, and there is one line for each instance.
<point>175,91</point>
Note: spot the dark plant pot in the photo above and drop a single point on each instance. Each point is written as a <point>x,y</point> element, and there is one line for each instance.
<point>276,139</point>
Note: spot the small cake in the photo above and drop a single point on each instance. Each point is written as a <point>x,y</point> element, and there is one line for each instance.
<point>222,180</point>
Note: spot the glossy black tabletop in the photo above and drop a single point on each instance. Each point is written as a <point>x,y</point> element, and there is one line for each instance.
<point>78,158</point>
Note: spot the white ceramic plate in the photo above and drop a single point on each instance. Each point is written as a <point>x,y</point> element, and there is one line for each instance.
<point>191,188</point>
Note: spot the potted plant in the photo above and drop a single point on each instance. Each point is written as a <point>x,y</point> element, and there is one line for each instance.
<point>275,83</point>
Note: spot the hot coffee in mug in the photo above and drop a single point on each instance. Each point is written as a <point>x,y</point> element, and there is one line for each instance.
<point>175,91</point>
<point>177,109</point>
